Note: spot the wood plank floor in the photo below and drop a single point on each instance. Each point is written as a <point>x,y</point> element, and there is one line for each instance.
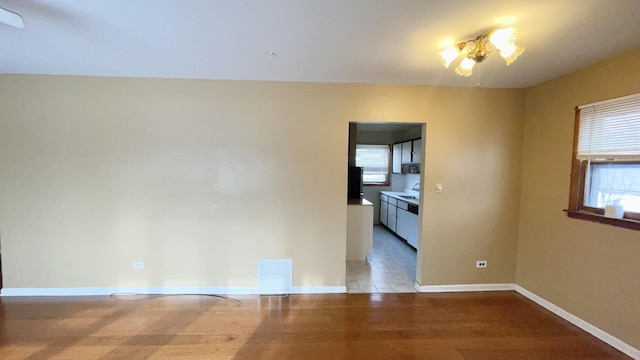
<point>492,325</point>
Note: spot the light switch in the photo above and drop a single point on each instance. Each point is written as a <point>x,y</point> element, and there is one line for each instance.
<point>438,187</point>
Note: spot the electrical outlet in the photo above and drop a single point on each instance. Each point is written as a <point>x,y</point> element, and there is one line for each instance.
<point>481,263</point>
<point>138,265</point>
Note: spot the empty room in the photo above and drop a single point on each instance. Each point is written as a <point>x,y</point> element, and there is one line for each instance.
<point>278,179</point>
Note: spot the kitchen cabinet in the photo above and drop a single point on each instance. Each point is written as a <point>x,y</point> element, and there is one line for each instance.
<point>406,152</point>
<point>407,149</point>
<point>402,220</point>
<point>400,216</point>
<point>392,214</point>
<point>412,229</point>
<point>407,227</point>
<point>417,151</point>
<point>396,165</point>
<point>384,209</point>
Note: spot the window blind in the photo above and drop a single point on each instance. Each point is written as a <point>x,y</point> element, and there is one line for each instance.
<point>374,159</point>
<point>610,130</point>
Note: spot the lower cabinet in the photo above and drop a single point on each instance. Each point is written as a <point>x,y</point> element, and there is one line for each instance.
<point>402,226</point>
<point>392,214</point>
<point>412,226</point>
<point>384,210</point>
<point>408,227</point>
<point>395,216</point>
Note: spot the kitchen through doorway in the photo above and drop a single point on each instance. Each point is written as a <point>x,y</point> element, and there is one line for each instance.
<point>390,158</point>
<point>390,268</point>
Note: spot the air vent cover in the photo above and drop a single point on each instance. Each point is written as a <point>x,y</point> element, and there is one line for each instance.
<point>275,277</point>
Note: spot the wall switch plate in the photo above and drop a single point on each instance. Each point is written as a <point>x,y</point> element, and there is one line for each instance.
<point>438,187</point>
<point>138,265</point>
<point>481,264</point>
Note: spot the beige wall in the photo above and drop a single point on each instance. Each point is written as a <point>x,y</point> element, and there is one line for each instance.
<point>199,179</point>
<point>589,269</point>
<point>474,148</point>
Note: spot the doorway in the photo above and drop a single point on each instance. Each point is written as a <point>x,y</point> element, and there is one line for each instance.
<point>393,264</point>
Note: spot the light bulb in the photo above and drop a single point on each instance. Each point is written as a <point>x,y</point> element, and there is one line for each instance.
<point>448,55</point>
<point>502,38</point>
<point>511,53</point>
<point>466,67</point>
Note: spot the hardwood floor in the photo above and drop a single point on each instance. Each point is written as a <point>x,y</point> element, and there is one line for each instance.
<point>492,325</point>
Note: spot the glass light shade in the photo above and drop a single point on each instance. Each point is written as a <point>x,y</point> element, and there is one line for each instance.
<point>448,55</point>
<point>466,67</point>
<point>511,53</point>
<point>502,38</point>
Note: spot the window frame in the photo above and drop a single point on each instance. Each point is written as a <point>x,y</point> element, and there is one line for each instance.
<point>389,165</point>
<point>577,209</point>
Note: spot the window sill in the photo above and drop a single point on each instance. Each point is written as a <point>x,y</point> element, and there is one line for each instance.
<point>589,216</point>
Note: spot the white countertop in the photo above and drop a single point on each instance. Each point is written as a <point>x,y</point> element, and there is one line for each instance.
<point>361,202</point>
<point>399,195</point>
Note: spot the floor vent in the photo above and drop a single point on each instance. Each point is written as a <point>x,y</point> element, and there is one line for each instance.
<point>275,277</point>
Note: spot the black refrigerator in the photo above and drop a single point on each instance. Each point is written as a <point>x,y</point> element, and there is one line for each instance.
<point>355,183</point>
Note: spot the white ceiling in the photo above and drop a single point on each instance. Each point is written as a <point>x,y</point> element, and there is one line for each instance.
<point>356,41</point>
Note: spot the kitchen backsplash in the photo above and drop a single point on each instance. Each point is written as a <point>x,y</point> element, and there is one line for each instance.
<point>397,182</point>
<point>410,180</point>
<point>403,182</point>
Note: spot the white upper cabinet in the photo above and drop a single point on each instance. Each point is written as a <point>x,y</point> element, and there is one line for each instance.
<point>406,152</point>
<point>417,151</point>
<point>397,158</point>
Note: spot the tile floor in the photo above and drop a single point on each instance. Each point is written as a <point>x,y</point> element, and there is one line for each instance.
<point>390,268</point>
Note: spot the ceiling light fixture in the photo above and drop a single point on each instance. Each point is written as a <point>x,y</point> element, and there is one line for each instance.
<point>476,50</point>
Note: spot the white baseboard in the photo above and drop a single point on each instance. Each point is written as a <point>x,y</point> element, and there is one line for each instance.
<point>600,334</point>
<point>465,287</point>
<point>171,290</point>
<point>90,291</point>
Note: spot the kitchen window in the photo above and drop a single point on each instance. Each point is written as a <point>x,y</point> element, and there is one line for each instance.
<point>374,160</point>
<point>606,161</point>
